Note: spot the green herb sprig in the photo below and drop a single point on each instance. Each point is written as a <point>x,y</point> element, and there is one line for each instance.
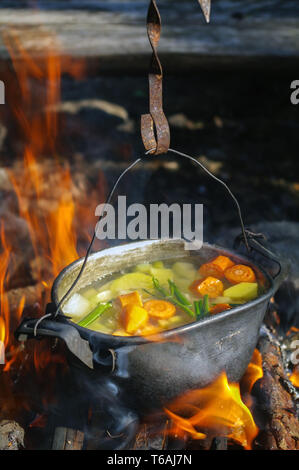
<point>201,307</point>
<point>94,314</point>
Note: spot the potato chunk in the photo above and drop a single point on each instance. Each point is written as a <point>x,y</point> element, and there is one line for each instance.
<point>131,281</point>
<point>242,291</point>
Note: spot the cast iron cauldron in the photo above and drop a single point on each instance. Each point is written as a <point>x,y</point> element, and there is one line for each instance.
<point>151,373</point>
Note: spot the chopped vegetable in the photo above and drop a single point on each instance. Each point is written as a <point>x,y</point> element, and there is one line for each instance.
<point>242,291</point>
<point>94,314</point>
<point>160,290</point>
<point>219,308</point>
<point>143,268</point>
<point>158,264</point>
<point>239,273</point>
<point>152,297</point>
<point>132,298</point>
<point>210,286</point>
<point>149,330</point>
<point>105,296</point>
<point>134,317</point>
<point>166,323</point>
<point>77,306</point>
<point>184,269</point>
<point>171,296</point>
<point>177,293</point>
<point>201,307</point>
<point>205,304</point>
<point>197,307</point>
<point>131,281</point>
<point>222,300</point>
<point>159,308</point>
<point>182,283</point>
<point>216,267</point>
<point>90,294</point>
<point>162,275</point>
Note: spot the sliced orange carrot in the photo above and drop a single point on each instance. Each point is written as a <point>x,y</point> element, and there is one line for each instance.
<point>135,317</point>
<point>159,308</point>
<point>131,298</point>
<point>211,286</point>
<point>219,308</point>
<point>195,285</point>
<point>239,273</point>
<point>216,267</point>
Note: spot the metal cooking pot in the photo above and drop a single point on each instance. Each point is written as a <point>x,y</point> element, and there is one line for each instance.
<point>151,372</point>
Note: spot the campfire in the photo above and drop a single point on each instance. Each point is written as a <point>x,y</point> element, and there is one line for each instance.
<point>47,221</point>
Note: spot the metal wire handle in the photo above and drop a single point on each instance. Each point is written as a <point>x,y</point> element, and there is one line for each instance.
<point>110,196</point>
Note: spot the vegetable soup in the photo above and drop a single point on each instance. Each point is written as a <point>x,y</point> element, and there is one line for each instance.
<point>150,298</point>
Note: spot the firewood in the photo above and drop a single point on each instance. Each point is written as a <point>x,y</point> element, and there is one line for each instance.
<point>67,439</point>
<point>240,32</point>
<point>11,435</point>
<point>274,396</point>
<point>32,295</point>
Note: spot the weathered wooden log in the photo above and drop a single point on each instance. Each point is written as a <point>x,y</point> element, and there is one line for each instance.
<point>274,395</point>
<point>11,435</point>
<point>32,295</point>
<point>240,31</point>
<point>67,439</point>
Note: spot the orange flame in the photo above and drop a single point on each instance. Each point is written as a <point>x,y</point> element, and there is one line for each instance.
<point>214,410</point>
<point>293,329</point>
<point>5,317</point>
<point>50,227</point>
<point>2,339</point>
<point>4,307</point>
<point>294,377</point>
<point>43,187</point>
<point>254,371</point>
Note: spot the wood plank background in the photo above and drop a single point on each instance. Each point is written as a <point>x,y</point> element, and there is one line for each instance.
<point>241,31</point>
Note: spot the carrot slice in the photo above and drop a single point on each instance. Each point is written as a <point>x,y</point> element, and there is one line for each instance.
<point>135,317</point>
<point>239,273</point>
<point>216,267</point>
<point>211,286</point>
<point>159,308</point>
<point>131,298</point>
<point>219,308</point>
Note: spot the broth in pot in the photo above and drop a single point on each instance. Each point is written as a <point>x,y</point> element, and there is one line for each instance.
<point>149,298</point>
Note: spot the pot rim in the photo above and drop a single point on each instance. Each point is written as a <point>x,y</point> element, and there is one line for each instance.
<point>131,340</point>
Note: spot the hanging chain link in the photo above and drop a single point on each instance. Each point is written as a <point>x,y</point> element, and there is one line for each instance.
<point>154,126</point>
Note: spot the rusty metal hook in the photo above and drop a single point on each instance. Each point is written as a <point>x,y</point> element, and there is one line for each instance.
<point>154,126</point>
<point>155,131</point>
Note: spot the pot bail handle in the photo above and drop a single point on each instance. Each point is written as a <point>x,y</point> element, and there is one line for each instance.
<point>265,251</point>
<point>154,126</point>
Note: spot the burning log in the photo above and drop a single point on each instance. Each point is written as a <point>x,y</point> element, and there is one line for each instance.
<point>11,435</point>
<point>274,394</point>
<point>32,295</point>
